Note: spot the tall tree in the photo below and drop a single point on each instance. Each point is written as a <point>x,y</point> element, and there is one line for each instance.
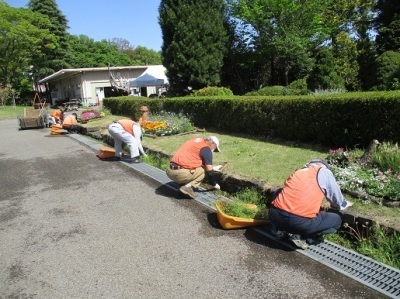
<point>83,51</point>
<point>284,32</point>
<point>143,56</point>
<point>387,24</point>
<point>24,35</point>
<point>139,55</point>
<point>324,74</point>
<point>194,42</point>
<point>58,26</point>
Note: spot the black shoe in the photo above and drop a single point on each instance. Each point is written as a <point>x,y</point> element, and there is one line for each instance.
<point>116,158</point>
<point>279,234</point>
<point>134,160</point>
<point>314,240</point>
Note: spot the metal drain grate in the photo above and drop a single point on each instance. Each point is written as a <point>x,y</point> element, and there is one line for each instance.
<point>375,275</point>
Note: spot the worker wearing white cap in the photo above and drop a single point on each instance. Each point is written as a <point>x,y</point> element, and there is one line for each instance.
<point>192,161</point>
<point>129,132</point>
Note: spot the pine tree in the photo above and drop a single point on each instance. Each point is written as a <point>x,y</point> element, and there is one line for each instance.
<point>55,58</point>
<point>194,42</point>
<point>387,24</point>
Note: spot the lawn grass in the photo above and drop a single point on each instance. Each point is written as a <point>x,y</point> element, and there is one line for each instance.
<point>10,112</point>
<point>251,158</point>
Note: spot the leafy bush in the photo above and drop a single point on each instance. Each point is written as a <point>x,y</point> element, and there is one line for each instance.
<point>387,70</point>
<point>267,91</point>
<point>297,87</point>
<point>212,91</point>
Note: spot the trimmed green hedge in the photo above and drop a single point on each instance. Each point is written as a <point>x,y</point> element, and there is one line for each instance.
<point>341,120</point>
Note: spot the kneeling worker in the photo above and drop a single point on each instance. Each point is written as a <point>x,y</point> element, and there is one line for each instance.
<point>129,132</point>
<point>191,162</point>
<point>70,123</point>
<point>296,208</point>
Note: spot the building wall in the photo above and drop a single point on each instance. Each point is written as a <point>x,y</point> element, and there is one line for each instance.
<point>86,84</point>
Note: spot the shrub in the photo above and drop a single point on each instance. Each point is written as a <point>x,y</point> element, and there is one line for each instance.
<point>267,91</point>
<point>387,70</point>
<point>212,91</point>
<point>297,87</point>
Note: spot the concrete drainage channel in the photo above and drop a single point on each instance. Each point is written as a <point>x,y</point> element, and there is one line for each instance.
<point>375,275</point>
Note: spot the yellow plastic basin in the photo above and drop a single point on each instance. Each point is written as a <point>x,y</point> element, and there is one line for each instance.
<point>231,222</point>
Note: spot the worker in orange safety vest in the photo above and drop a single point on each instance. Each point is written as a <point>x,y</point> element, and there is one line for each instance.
<point>129,132</point>
<point>296,210</point>
<point>192,161</point>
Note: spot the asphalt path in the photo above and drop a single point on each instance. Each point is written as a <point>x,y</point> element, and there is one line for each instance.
<point>72,226</point>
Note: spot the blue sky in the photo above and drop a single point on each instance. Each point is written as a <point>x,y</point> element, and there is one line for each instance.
<point>133,20</point>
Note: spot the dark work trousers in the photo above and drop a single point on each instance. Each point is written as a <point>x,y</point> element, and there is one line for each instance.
<point>323,223</point>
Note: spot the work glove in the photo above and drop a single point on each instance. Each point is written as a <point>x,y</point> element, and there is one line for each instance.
<point>217,167</point>
<point>348,204</point>
<point>217,187</point>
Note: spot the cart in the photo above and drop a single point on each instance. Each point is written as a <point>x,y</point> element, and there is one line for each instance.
<point>35,118</point>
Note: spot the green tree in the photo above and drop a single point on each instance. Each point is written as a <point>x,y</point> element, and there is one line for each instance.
<point>143,56</point>
<point>24,35</point>
<point>139,55</point>
<point>387,24</point>
<point>83,51</point>
<point>388,70</point>
<point>55,58</point>
<point>284,32</point>
<point>324,75</point>
<point>194,42</point>
<point>345,53</point>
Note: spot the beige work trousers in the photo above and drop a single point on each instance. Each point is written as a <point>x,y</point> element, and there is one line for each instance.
<point>183,176</point>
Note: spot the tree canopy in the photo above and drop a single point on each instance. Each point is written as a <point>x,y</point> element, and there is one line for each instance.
<point>24,37</point>
<point>194,42</point>
<point>84,51</point>
<point>58,27</point>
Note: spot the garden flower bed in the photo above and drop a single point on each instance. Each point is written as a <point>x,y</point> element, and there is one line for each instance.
<point>167,124</point>
<point>375,179</point>
<point>88,114</point>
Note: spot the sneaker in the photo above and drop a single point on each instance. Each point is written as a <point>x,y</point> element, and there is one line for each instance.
<point>296,240</point>
<point>117,158</point>
<point>188,191</point>
<point>133,160</point>
<point>279,234</point>
<point>314,240</point>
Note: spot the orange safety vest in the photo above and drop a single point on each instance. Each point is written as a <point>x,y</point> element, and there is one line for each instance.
<point>56,113</point>
<point>188,155</point>
<point>301,194</point>
<point>69,121</point>
<point>127,124</point>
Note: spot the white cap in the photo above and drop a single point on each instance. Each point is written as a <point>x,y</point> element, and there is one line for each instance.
<point>216,141</point>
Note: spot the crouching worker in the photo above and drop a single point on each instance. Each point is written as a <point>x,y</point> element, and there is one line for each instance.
<point>70,123</point>
<point>192,161</point>
<point>296,207</point>
<point>129,132</point>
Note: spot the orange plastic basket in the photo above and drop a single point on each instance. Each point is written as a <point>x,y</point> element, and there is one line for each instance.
<point>231,222</point>
<point>106,153</point>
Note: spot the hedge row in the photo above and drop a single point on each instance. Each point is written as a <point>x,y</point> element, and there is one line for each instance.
<point>340,120</point>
